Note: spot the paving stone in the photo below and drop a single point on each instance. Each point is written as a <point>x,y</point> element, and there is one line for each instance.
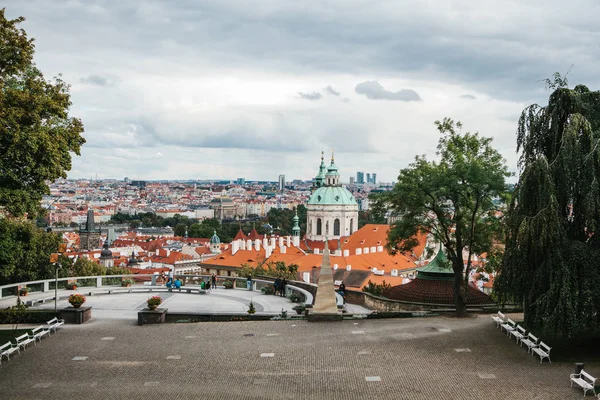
<point>358,332</point>
<point>364,352</point>
<point>191,337</point>
<point>487,376</point>
<point>152,383</point>
<point>177,357</point>
<point>79,358</point>
<point>108,338</point>
<point>261,381</point>
<point>267,354</point>
<point>446,330</point>
<point>463,350</point>
<point>373,378</point>
<point>272,334</point>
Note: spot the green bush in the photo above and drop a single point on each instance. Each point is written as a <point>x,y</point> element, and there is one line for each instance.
<point>268,290</point>
<point>228,284</point>
<point>11,316</point>
<point>296,297</point>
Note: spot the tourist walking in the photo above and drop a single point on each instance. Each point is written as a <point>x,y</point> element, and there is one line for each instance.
<point>213,279</point>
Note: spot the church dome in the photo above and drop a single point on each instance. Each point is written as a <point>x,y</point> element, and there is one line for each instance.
<point>215,239</point>
<point>335,195</point>
<point>105,253</point>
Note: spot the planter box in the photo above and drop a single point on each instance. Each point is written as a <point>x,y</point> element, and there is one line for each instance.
<point>147,316</point>
<point>73,315</point>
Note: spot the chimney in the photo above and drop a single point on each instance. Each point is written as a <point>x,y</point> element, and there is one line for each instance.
<point>316,251</point>
<point>358,252</point>
<point>282,249</point>
<point>289,241</point>
<point>235,245</point>
<point>335,267</point>
<point>280,241</point>
<point>268,251</point>
<point>272,242</point>
<point>249,245</point>
<point>242,244</point>
<point>373,249</point>
<point>346,253</point>
<point>257,244</point>
<point>348,267</point>
<point>296,241</point>
<point>265,242</point>
<point>366,250</point>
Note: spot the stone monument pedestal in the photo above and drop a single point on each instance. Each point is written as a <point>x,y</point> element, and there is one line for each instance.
<point>73,315</point>
<point>325,308</point>
<point>148,316</point>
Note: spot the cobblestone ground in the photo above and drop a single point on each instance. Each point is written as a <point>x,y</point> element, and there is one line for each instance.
<point>374,359</point>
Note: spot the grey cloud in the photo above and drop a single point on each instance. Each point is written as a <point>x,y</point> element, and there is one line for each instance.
<point>375,91</point>
<point>332,91</point>
<point>314,96</point>
<point>96,80</point>
<point>468,97</point>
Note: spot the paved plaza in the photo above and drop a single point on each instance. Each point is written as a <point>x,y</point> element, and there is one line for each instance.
<point>416,358</point>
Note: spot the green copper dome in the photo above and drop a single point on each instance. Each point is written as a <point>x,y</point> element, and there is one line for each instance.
<point>439,269</point>
<point>215,239</point>
<point>336,195</point>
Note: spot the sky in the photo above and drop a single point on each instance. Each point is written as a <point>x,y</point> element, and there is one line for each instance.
<point>223,89</point>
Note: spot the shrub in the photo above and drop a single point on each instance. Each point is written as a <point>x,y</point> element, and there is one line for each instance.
<point>251,308</point>
<point>127,282</point>
<point>296,297</point>
<point>283,313</point>
<point>376,289</point>
<point>228,284</point>
<point>268,290</point>
<point>300,308</point>
<point>11,316</point>
<point>71,285</point>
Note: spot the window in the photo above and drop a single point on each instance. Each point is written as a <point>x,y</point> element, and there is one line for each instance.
<point>336,227</point>
<point>319,225</point>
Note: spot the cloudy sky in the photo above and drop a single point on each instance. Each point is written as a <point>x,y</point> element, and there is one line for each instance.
<point>222,89</point>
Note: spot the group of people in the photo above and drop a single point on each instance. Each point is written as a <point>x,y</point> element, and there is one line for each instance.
<point>170,283</point>
<point>279,286</point>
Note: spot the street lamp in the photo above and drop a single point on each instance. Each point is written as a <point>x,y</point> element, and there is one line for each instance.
<point>57,266</point>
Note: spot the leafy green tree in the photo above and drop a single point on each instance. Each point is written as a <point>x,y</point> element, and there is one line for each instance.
<point>451,199</point>
<point>552,257</point>
<point>37,134</point>
<point>25,251</point>
<point>376,289</point>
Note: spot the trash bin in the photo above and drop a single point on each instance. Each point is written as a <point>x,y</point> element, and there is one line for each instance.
<point>578,367</point>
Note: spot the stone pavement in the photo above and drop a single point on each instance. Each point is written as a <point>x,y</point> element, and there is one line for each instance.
<point>414,358</point>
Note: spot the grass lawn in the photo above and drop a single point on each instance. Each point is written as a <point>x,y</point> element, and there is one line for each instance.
<point>9,334</point>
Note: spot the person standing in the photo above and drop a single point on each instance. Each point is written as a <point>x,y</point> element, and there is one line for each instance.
<point>283,285</point>
<point>277,285</point>
<point>213,279</point>
<point>249,282</point>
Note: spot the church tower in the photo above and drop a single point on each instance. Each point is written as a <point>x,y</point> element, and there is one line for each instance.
<point>215,243</point>
<point>332,211</point>
<point>89,237</point>
<point>106,257</point>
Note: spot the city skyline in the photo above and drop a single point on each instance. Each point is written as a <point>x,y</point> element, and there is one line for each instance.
<point>222,89</point>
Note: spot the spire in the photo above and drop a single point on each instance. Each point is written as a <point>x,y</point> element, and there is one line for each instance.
<point>332,157</point>
<point>89,225</point>
<point>296,227</point>
<point>320,178</point>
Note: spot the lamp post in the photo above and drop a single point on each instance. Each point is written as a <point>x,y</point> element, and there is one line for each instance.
<point>57,266</point>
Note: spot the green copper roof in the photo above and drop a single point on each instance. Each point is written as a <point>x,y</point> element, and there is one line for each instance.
<point>438,269</point>
<point>332,195</point>
<point>215,239</point>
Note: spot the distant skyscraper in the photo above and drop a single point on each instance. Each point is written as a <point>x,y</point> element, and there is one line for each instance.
<point>241,181</point>
<point>281,182</point>
<point>374,178</point>
<point>352,180</point>
<point>360,177</point>
<point>368,177</point>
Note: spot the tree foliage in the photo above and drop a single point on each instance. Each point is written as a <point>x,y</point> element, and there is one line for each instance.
<point>376,289</point>
<point>452,199</point>
<point>552,257</point>
<point>25,251</point>
<point>36,134</point>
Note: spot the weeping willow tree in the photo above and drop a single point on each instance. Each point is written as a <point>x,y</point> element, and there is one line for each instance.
<point>552,256</point>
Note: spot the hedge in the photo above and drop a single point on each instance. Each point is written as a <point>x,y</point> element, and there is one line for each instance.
<point>8,316</point>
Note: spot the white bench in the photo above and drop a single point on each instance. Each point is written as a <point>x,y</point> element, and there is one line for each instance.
<point>499,318</point>
<point>585,381</point>
<point>531,341</point>
<point>518,333</point>
<point>24,340</point>
<point>509,326</point>
<point>39,332</point>
<point>7,349</point>
<point>54,324</point>
<point>543,351</point>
